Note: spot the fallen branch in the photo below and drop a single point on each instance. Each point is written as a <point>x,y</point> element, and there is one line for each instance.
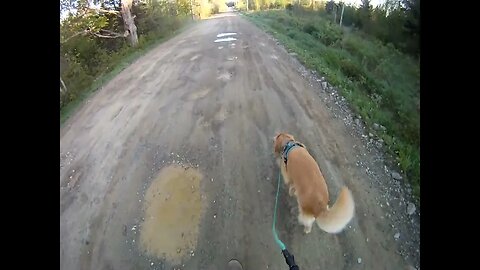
<point>125,34</point>
<point>102,34</point>
<point>84,32</point>
<point>113,34</point>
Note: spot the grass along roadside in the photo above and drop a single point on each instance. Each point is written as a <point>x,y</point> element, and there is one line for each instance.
<point>119,62</point>
<point>381,84</point>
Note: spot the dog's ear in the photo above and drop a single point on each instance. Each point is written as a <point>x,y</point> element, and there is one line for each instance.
<point>277,145</point>
<point>276,136</point>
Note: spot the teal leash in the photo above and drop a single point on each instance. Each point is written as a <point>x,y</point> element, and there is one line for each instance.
<point>275,235</point>
<point>289,258</point>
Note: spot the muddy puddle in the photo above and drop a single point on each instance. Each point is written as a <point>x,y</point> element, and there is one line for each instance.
<point>173,207</point>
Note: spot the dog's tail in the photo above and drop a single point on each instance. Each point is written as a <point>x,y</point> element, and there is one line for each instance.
<point>336,218</point>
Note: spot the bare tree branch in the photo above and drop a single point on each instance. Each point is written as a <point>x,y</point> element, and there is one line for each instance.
<point>103,36</point>
<point>84,32</point>
<point>100,34</point>
<point>101,10</point>
<point>87,11</point>
<point>106,10</point>
<point>109,32</point>
<point>112,34</point>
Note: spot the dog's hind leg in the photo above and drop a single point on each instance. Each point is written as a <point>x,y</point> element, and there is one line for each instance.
<point>307,221</point>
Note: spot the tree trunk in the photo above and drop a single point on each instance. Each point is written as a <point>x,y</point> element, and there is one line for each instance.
<point>335,16</point>
<point>341,16</point>
<point>129,22</point>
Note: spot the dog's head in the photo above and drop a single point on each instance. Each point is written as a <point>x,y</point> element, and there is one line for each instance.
<point>279,142</point>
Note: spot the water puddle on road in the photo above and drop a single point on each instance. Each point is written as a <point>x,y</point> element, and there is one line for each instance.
<point>173,208</point>
<point>226,35</point>
<point>225,39</point>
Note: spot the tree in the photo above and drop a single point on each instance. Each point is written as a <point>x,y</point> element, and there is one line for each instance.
<point>412,16</point>
<point>366,5</point>
<point>412,25</point>
<point>364,15</point>
<point>91,19</point>
<point>329,6</point>
<point>390,5</point>
<point>129,22</point>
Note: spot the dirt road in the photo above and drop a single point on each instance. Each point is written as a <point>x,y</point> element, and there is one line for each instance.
<point>170,164</point>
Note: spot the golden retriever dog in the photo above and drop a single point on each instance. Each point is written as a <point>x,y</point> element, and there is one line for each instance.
<point>304,179</point>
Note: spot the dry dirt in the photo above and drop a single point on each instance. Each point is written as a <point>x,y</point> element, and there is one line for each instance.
<point>170,164</point>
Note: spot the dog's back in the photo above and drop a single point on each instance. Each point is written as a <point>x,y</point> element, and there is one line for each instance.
<point>310,186</point>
